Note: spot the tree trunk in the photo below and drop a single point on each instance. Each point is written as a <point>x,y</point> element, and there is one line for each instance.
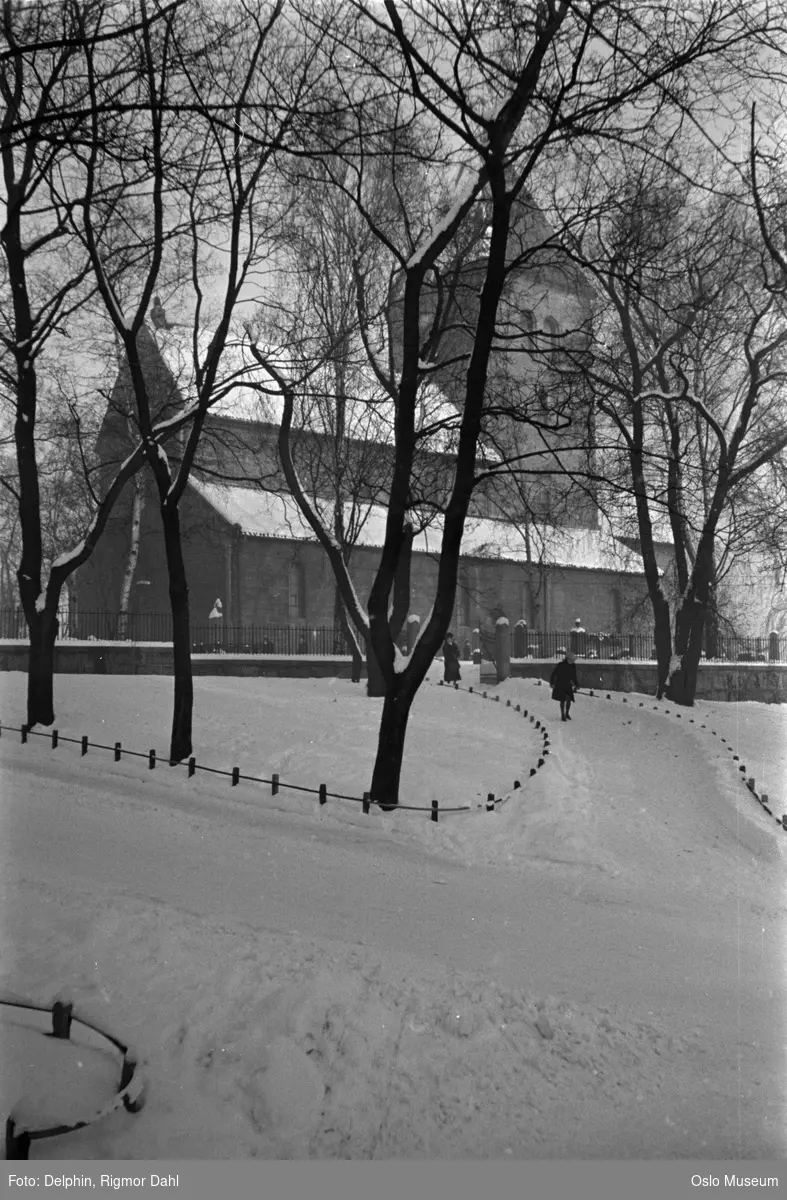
<point>690,621</point>
<point>342,621</point>
<point>390,748</point>
<point>689,629</point>
<point>137,506</point>
<point>662,636</point>
<point>375,680</point>
<point>180,741</point>
<point>42,627</point>
<point>401,587</point>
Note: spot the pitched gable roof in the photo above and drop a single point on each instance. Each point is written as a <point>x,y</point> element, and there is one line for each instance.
<point>264,514</point>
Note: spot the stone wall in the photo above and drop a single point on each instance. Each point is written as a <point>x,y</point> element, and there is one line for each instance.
<point>113,658</point>
<point>727,682</point>
<point>717,681</point>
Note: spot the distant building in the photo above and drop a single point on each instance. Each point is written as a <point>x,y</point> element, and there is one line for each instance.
<point>250,546</point>
<point>246,541</point>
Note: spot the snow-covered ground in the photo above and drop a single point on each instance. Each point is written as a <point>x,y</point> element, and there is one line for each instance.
<point>597,969</point>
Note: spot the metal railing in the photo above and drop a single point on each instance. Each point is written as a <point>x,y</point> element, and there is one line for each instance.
<point>322,640</point>
<point>206,637</point>
<point>316,641</point>
<point>530,643</point>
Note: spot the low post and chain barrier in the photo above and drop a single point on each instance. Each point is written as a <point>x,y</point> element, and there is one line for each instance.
<point>493,801</point>
<point>321,791</point>
<point>434,810</point>
<point>762,798</point>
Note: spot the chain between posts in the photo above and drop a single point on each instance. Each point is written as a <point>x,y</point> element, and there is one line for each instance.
<point>234,775</point>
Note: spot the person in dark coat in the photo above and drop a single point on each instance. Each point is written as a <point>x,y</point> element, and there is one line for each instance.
<point>451,660</point>
<point>564,684</point>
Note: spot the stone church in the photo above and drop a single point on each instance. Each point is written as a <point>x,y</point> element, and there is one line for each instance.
<point>539,553</point>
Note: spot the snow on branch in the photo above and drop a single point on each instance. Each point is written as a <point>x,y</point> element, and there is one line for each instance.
<point>439,237</point>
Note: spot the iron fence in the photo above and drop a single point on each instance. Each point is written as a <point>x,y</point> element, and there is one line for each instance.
<point>531,643</point>
<point>316,641</point>
<point>208,637</point>
<point>268,638</point>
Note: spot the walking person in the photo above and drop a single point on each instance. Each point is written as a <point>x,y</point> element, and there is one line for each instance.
<point>564,684</point>
<point>451,660</point>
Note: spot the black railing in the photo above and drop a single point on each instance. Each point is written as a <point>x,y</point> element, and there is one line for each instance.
<point>206,637</point>
<point>530,643</point>
<point>268,638</point>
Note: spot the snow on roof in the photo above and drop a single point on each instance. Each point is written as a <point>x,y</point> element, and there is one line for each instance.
<point>261,513</point>
<point>566,546</point>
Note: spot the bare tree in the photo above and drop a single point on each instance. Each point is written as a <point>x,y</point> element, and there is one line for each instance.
<point>489,95</point>
<point>338,443</point>
<point>688,365</point>
<point>207,132</point>
<point>49,108</point>
<point>331,353</point>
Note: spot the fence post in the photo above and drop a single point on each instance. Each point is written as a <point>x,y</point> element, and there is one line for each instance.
<point>366,798</point>
<point>490,802</point>
<point>235,776</point>
<point>84,746</point>
<point>274,784</point>
<point>434,810</point>
<point>117,751</point>
<point>773,647</point>
<point>61,1020</point>
<point>323,793</point>
<point>54,739</point>
<point>151,760</point>
<point>503,648</point>
<point>192,766</point>
<point>23,732</point>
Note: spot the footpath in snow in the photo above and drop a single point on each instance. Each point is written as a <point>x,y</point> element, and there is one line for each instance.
<point>596,969</point>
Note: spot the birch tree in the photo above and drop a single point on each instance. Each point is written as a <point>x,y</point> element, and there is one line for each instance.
<point>494,92</point>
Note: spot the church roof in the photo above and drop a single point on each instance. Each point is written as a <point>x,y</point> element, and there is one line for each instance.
<point>266,514</point>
